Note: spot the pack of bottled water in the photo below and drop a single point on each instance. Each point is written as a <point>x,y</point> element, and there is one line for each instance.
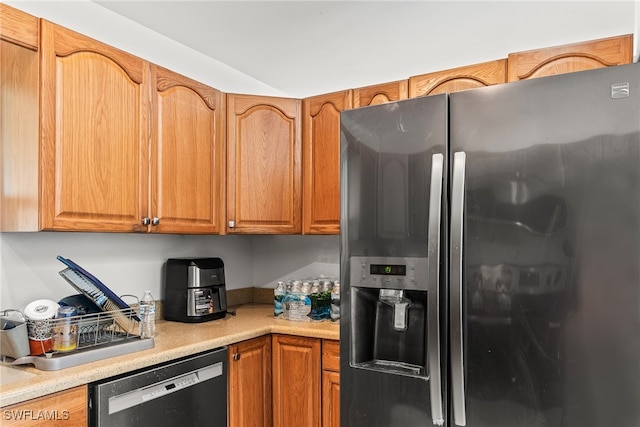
<point>307,300</point>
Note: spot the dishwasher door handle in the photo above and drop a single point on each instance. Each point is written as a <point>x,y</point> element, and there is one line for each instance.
<point>154,391</point>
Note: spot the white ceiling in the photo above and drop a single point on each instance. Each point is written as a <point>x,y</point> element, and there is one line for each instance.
<point>303,48</point>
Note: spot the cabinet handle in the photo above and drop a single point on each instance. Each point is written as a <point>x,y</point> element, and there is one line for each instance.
<point>155,221</point>
<point>236,356</point>
<point>232,224</point>
<point>146,221</point>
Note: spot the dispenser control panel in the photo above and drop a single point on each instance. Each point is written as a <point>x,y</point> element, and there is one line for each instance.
<point>389,272</point>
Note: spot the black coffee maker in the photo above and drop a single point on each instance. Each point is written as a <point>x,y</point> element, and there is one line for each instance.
<point>194,290</point>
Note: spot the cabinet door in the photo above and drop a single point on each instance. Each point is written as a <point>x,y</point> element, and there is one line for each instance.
<point>94,129</point>
<point>19,120</point>
<point>331,355</point>
<point>296,381</point>
<point>569,58</point>
<point>321,142</point>
<point>457,79</point>
<point>330,383</point>
<point>187,156</point>
<point>66,408</point>
<point>379,94</point>
<point>250,383</point>
<point>264,165</point>
<point>330,399</point>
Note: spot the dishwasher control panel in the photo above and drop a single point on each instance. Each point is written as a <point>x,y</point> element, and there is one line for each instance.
<point>136,397</point>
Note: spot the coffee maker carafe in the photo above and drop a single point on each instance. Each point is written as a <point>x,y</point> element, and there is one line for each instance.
<point>194,290</point>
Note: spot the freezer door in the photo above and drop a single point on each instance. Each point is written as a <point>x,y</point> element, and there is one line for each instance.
<point>393,179</point>
<point>549,290</point>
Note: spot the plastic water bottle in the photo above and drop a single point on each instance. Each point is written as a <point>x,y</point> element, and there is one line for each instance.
<point>297,304</point>
<point>147,316</point>
<point>278,299</point>
<point>335,302</point>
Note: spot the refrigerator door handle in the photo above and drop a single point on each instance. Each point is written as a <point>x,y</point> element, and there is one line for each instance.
<point>433,321</point>
<point>455,289</point>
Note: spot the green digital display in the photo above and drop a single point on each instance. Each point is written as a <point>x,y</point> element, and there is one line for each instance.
<point>388,270</point>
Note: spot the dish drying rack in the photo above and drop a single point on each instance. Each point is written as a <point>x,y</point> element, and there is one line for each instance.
<point>111,332</point>
<point>100,328</point>
<point>99,336</point>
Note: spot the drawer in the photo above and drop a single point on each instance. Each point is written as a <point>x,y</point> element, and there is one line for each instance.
<point>331,355</point>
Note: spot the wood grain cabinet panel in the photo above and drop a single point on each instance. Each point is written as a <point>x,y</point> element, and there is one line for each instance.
<point>321,142</point>
<point>187,154</point>
<point>330,383</point>
<point>331,355</point>
<point>572,57</point>
<point>457,79</point>
<point>263,165</point>
<point>296,381</point>
<point>380,93</point>
<point>19,120</point>
<point>95,134</point>
<point>330,399</point>
<point>250,403</point>
<point>68,408</point>
<point>18,27</point>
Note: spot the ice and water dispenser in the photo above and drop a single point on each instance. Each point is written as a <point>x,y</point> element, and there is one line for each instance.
<point>389,315</point>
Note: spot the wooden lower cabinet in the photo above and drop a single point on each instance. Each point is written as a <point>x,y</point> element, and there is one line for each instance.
<point>66,408</point>
<point>296,381</point>
<point>330,383</point>
<point>284,381</point>
<point>330,399</point>
<point>250,383</point>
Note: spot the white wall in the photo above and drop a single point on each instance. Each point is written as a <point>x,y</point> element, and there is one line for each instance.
<point>126,263</point>
<point>106,26</point>
<point>132,263</point>
<point>294,257</point>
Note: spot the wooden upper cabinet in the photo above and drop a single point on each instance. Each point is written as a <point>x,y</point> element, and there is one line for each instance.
<point>19,120</point>
<point>380,94</point>
<point>296,381</point>
<point>250,383</point>
<point>572,57</point>
<point>18,27</point>
<point>321,141</point>
<point>187,154</point>
<point>457,79</point>
<point>263,165</point>
<point>94,130</point>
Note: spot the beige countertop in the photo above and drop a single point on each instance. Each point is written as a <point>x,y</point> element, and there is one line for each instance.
<point>173,340</point>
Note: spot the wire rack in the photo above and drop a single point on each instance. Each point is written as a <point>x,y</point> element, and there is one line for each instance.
<point>91,330</point>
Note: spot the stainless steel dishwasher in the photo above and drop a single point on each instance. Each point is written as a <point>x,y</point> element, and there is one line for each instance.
<point>191,391</point>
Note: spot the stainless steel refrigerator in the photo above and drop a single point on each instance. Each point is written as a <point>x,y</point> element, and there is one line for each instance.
<point>490,256</point>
